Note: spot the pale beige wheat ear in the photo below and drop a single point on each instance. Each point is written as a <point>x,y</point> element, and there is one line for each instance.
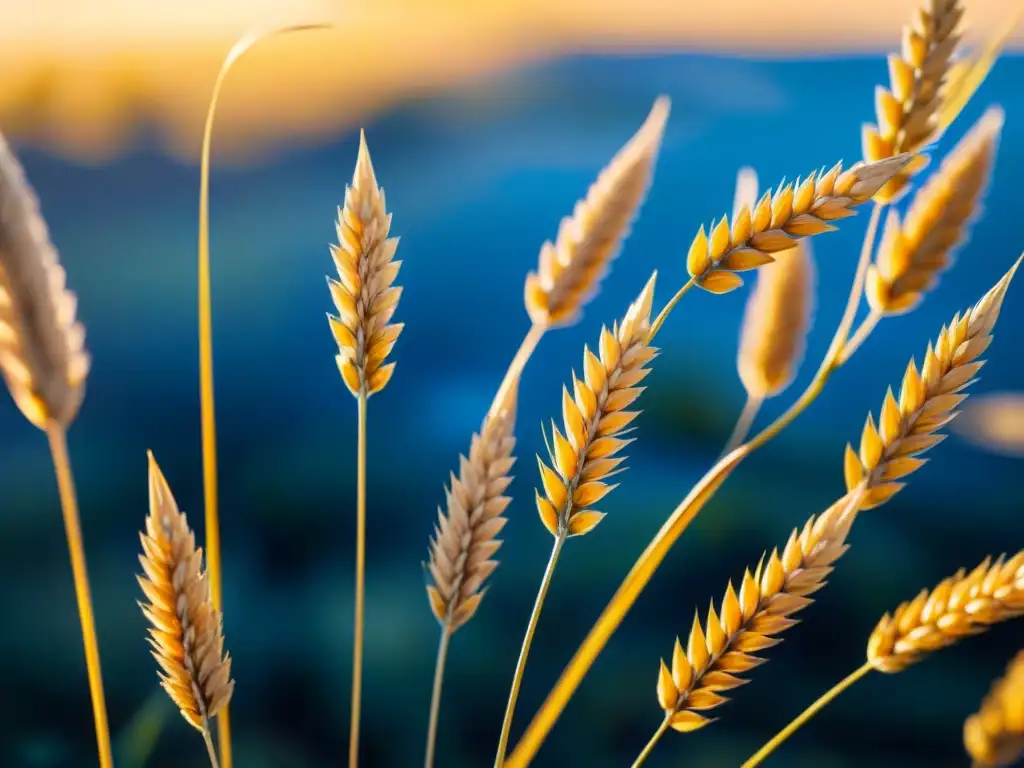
<point>780,219</point>
<point>994,735</point>
<point>594,418</point>
<point>465,538</point>
<point>364,294</point>
<point>42,345</point>
<point>928,400</point>
<point>914,252</point>
<point>747,621</point>
<point>777,317</point>
<point>962,605</point>
<point>186,633</point>
<point>908,111</point>
<point>570,269</point>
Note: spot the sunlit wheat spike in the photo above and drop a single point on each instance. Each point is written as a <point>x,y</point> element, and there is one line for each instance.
<point>780,219</point>
<point>747,621</point>
<point>595,417</point>
<point>570,270</point>
<point>364,294</point>
<point>962,605</point>
<point>778,313</point>
<point>42,345</point>
<point>908,110</point>
<point>186,635</point>
<point>465,537</point>
<point>928,400</point>
<point>994,736</point>
<point>913,253</point>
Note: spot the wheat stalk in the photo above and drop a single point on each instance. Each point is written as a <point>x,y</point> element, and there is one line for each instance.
<point>908,111</point>
<point>364,295</point>
<point>570,270</point>
<point>44,363</point>
<point>186,633</point>
<point>928,401</point>
<point>913,253</point>
<point>994,736</point>
<point>780,219</point>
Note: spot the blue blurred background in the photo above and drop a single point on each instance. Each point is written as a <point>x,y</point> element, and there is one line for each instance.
<point>477,178</point>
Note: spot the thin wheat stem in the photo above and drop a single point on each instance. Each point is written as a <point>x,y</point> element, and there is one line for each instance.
<point>744,423</point>
<point>663,315</point>
<point>807,714</point>
<point>858,337</point>
<point>515,368</point>
<point>531,627</point>
<point>646,751</point>
<point>357,640</point>
<point>73,530</point>
<point>210,749</point>
<point>435,697</point>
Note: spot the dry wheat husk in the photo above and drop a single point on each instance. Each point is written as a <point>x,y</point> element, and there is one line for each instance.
<point>994,735</point>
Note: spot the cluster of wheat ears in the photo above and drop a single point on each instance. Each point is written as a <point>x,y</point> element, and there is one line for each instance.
<point>45,365</point>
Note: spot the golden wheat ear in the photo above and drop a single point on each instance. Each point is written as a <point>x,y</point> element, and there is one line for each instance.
<point>908,110</point>
<point>780,219</point>
<point>928,400</point>
<point>364,294</point>
<point>917,250</point>
<point>994,735</point>
<point>571,269</point>
<point>186,632</point>
<point>42,345</point>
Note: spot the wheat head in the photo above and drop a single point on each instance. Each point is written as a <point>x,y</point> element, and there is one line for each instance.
<point>994,736</point>
<point>780,219</point>
<point>465,538</point>
<point>962,605</point>
<point>186,634</point>
<point>928,400</point>
<point>747,622</point>
<point>908,111</point>
<point>594,419</point>
<point>42,346</point>
<point>364,295</point>
<point>778,312</point>
<point>570,269</point>
<point>913,253</point>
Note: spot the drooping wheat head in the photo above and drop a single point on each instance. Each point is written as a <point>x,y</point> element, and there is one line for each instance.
<point>778,313</point>
<point>594,419</point>
<point>928,400</point>
<point>994,736</point>
<point>780,219</point>
<point>908,111</point>
<point>186,635</point>
<point>465,537</point>
<point>570,269</point>
<point>364,294</point>
<point>915,252</point>
<point>962,605</point>
<point>717,654</point>
<point>42,345</point>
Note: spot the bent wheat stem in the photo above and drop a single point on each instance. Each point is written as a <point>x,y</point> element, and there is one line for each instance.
<point>807,714</point>
<point>858,337</point>
<point>663,315</point>
<point>357,640</point>
<point>435,697</point>
<point>744,423</point>
<point>515,368</point>
<point>210,750</point>
<point>73,529</point>
<point>646,751</point>
<point>524,652</point>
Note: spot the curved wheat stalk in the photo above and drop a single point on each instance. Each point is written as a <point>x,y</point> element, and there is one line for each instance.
<point>908,111</point>
<point>928,401</point>
<point>364,295</point>
<point>186,634</point>
<point>780,219</point>
<point>570,269</point>
<point>915,252</point>
<point>994,736</point>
